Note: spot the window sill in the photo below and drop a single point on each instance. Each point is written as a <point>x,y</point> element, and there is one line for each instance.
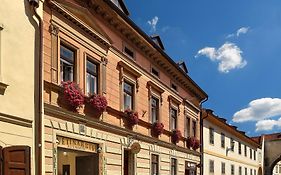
<point>3,87</point>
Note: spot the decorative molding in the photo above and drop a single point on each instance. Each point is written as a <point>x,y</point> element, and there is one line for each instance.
<point>67,115</point>
<point>15,120</point>
<point>3,87</point>
<point>54,30</point>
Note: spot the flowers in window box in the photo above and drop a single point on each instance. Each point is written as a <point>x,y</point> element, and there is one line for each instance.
<point>196,144</point>
<point>176,136</point>
<point>192,142</point>
<point>72,94</point>
<point>99,102</point>
<point>132,117</point>
<point>158,128</point>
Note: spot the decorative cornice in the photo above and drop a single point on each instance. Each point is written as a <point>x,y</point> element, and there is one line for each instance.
<point>3,87</point>
<point>57,7</point>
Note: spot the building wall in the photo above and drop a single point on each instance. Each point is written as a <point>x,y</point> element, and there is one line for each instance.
<point>218,154</point>
<point>17,74</point>
<point>59,121</point>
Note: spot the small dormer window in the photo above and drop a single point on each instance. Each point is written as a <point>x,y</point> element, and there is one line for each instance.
<point>174,87</point>
<point>129,52</point>
<point>155,72</point>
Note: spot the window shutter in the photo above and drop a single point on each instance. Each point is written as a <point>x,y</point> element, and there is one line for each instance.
<point>16,160</point>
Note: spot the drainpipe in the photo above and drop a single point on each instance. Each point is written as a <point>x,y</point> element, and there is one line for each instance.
<point>201,137</point>
<point>38,119</point>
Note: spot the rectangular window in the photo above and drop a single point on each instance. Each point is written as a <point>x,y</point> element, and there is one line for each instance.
<point>222,140</point>
<point>255,155</point>
<point>173,117</point>
<point>240,170</point>
<point>129,52</point>
<point>154,164</point>
<point>194,128</point>
<point>187,127</point>
<point>128,92</point>
<point>91,78</point>
<point>251,172</point>
<point>246,171</point>
<point>222,168</point>
<point>173,166</point>
<point>239,147</point>
<point>232,144</point>
<point>255,172</point>
<point>251,153</point>
<point>155,72</point>
<point>211,135</point>
<point>279,168</point>
<point>232,170</point>
<point>245,150</point>
<point>67,59</point>
<point>211,166</point>
<point>174,87</point>
<point>154,109</point>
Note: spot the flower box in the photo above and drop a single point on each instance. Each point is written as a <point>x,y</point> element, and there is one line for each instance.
<point>132,117</point>
<point>176,136</point>
<point>157,128</point>
<point>72,95</point>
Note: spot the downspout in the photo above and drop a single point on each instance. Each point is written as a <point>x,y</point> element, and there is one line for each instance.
<point>38,120</point>
<point>201,136</point>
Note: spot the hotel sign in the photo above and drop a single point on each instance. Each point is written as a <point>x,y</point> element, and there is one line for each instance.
<point>69,143</point>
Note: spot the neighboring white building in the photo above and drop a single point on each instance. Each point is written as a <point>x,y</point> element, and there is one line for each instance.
<point>277,169</point>
<point>228,151</point>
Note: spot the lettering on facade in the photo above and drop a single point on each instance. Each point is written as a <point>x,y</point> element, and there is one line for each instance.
<point>69,143</point>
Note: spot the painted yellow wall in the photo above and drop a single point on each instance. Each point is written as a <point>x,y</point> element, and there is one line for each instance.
<point>17,59</point>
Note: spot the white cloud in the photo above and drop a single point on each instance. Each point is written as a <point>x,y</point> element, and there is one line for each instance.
<point>228,55</point>
<point>267,125</point>
<point>242,30</point>
<point>153,23</point>
<point>258,110</point>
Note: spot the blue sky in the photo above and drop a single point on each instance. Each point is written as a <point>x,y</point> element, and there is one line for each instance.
<point>238,69</point>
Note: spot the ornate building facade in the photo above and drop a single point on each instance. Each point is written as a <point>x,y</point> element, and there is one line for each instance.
<point>151,124</point>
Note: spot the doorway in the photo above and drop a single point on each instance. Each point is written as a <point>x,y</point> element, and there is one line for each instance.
<point>190,168</point>
<point>128,162</point>
<point>71,162</point>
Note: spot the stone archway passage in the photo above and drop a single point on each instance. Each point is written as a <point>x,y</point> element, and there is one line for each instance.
<point>272,154</point>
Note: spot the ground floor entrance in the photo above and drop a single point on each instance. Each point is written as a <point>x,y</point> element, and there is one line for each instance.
<point>75,157</point>
<point>190,168</point>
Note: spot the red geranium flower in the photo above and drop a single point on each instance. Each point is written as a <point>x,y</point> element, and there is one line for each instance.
<point>176,136</point>
<point>73,94</point>
<point>158,128</point>
<point>132,117</point>
<point>99,102</point>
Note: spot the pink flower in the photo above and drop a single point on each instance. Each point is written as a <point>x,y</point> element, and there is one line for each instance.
<point>176,136</point>
<point>132,117</point>
<point>158,128</point>
<point>72,94</point>
<point>99,102</point>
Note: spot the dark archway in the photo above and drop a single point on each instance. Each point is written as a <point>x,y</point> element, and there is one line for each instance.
<point>259,171</point>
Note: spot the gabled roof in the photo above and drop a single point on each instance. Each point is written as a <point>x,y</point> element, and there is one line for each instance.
<point>182,65</point>
<point>121,5</point>
<point>157,40</point>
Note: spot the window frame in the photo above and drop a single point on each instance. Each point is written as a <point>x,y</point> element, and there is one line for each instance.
<point>232,144</point>
<point>174,160</point>
<point>126,46</point>
<point>132,94</point>
<point>90,59</point>
<point>187,132</point>
<point>211,166</point>
<point>239,148</point>
<point>211,136</point>
<point>175,118</point>
<point>222,140</point>
<point>232,169</point>
<point>223,168</point>
<point>73,49</point>
<point>157,164</point>
<point>154,97</point>
<point>156,70</point>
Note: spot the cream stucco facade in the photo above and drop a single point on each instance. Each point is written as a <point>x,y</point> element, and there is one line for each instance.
<point>218,157</point>
<point>277,169</point>
<point>18,50</point>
